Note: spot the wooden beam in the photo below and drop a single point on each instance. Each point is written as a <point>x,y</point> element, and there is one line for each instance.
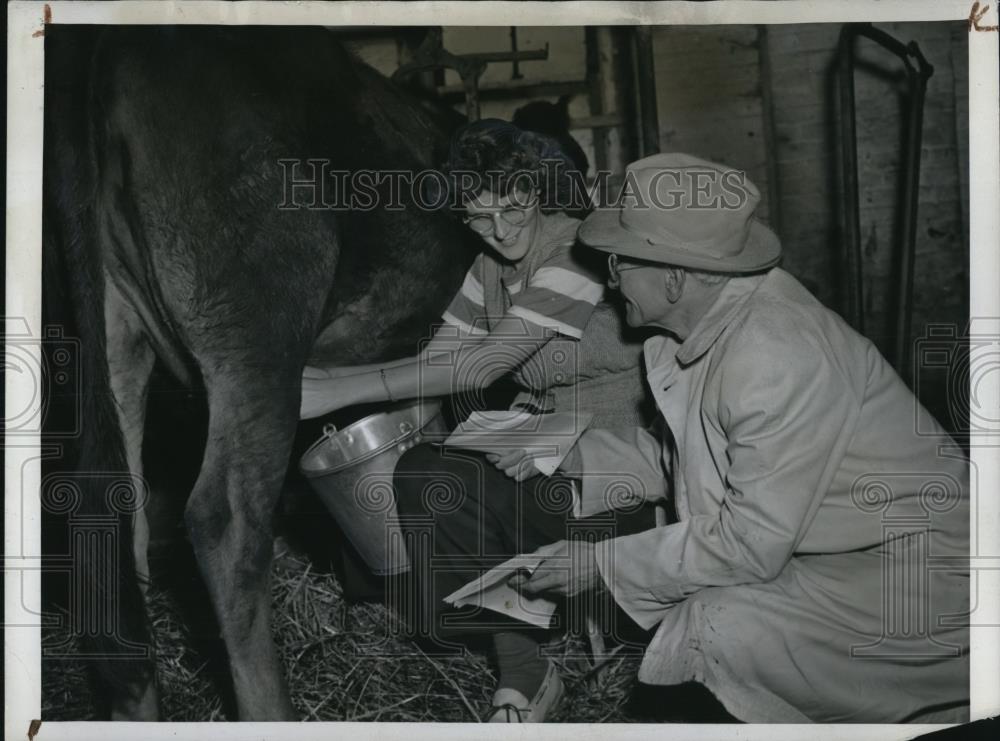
<point>770,134</point>
<point>646,79</point>
<point>514,89</point>
<point>603,121</point>
<point>595,96</point>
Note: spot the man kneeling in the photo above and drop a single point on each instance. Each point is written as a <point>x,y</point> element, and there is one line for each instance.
<point>818,567</point>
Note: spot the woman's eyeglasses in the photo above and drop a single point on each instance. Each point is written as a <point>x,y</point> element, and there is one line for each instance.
<point>485,224</point>
<point>615,270</point>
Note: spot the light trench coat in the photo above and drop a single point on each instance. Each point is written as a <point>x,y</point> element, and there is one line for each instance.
<point>818,570</point>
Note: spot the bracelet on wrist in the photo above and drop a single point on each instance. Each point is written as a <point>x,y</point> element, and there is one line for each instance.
<point>385,384</point>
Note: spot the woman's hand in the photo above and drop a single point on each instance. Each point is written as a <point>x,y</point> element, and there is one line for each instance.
<point>312,373</point>
<point>516,464</point>
<point>315,373</point>
<point>569,569</point>
<point>322,395</point>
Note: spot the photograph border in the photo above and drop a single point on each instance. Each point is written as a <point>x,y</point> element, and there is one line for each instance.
<point>23,314</point>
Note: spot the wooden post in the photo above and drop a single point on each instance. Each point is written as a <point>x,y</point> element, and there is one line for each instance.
<point>408,43</point>
<point>853,287</point>
<point>595,94</point>
<point>646,83</point>
<point>770,135</point>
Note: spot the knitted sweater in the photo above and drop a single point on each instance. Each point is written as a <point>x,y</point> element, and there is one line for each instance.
<point>601,373</point>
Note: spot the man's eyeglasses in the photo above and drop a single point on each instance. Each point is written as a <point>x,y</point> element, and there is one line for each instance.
<point>614,269</point>
<point>485,224</point>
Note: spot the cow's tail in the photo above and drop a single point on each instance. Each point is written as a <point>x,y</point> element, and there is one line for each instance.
<point>112,616</point>
<point>107,607</point>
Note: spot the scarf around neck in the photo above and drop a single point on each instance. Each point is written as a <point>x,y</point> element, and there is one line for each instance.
<point>557,230</point>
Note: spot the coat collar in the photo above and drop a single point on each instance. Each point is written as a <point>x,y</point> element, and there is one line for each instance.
<point>709,328</point>
<point>721,314</point>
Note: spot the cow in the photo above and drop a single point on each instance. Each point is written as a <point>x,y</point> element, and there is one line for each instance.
<point>552,120</point>
<point>166,205</point>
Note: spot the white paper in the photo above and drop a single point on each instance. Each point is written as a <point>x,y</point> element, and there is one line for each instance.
<point>547,438</point>
<point>491,591</point>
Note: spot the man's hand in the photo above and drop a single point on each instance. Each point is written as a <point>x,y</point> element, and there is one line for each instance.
<point>570,569</point>
<point>516,464</point>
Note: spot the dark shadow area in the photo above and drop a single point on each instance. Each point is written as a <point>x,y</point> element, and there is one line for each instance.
<point>690,702</point>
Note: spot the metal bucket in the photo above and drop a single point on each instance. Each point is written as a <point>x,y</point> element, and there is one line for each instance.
<point>351,471</point>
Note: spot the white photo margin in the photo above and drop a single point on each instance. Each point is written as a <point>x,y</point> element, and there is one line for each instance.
<point>22,534</point>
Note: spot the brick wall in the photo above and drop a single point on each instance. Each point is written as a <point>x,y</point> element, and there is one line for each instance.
<point>764,100</point>
<point>801,59</point>
<point>709,100</point>
<point>801,84</point>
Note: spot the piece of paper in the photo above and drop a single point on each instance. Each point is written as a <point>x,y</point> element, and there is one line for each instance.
<point>491,591</point>
<point>547,438</point>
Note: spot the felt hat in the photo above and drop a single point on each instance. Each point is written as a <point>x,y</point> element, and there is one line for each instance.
<point>684,211</point>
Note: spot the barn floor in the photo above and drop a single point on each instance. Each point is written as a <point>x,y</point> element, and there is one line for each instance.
<point>342,666</point>
<point>329,625</point>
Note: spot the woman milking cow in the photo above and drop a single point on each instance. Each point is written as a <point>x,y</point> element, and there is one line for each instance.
<point>530,307</point>
<point>778,423</point>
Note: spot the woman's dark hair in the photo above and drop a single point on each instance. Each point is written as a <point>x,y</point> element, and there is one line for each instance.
<point>495,155</point>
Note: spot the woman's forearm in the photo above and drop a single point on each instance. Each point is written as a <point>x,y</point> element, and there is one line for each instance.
<point>345,371</point>
<point>446,339</point>
<point>421,376</point>
<point>465,369</point>
<point>449,367</point>
<point>404,379</point>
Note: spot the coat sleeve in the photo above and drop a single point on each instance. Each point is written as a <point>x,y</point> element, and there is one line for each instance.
<point>788,414</point>
<point>621,468</point>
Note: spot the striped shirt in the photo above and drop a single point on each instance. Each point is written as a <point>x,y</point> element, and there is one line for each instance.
<point>589,365</point>
<point>559,295</point>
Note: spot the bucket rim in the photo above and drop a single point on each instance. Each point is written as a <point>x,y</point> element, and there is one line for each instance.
<point>313,473</point>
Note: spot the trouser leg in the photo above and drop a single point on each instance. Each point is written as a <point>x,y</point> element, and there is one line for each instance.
<point>461,517</point>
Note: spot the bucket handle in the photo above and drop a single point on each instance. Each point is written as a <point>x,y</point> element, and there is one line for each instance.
<point>330,429</point>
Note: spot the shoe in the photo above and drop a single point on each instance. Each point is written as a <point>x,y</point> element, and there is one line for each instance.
<point>511,706</point>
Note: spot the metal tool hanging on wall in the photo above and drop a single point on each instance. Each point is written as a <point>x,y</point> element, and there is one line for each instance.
<point>917,76</point>
<point>431,55</point>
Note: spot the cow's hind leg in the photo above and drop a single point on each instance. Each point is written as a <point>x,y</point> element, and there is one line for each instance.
<point>229,518</point>
<point>130,365</point>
